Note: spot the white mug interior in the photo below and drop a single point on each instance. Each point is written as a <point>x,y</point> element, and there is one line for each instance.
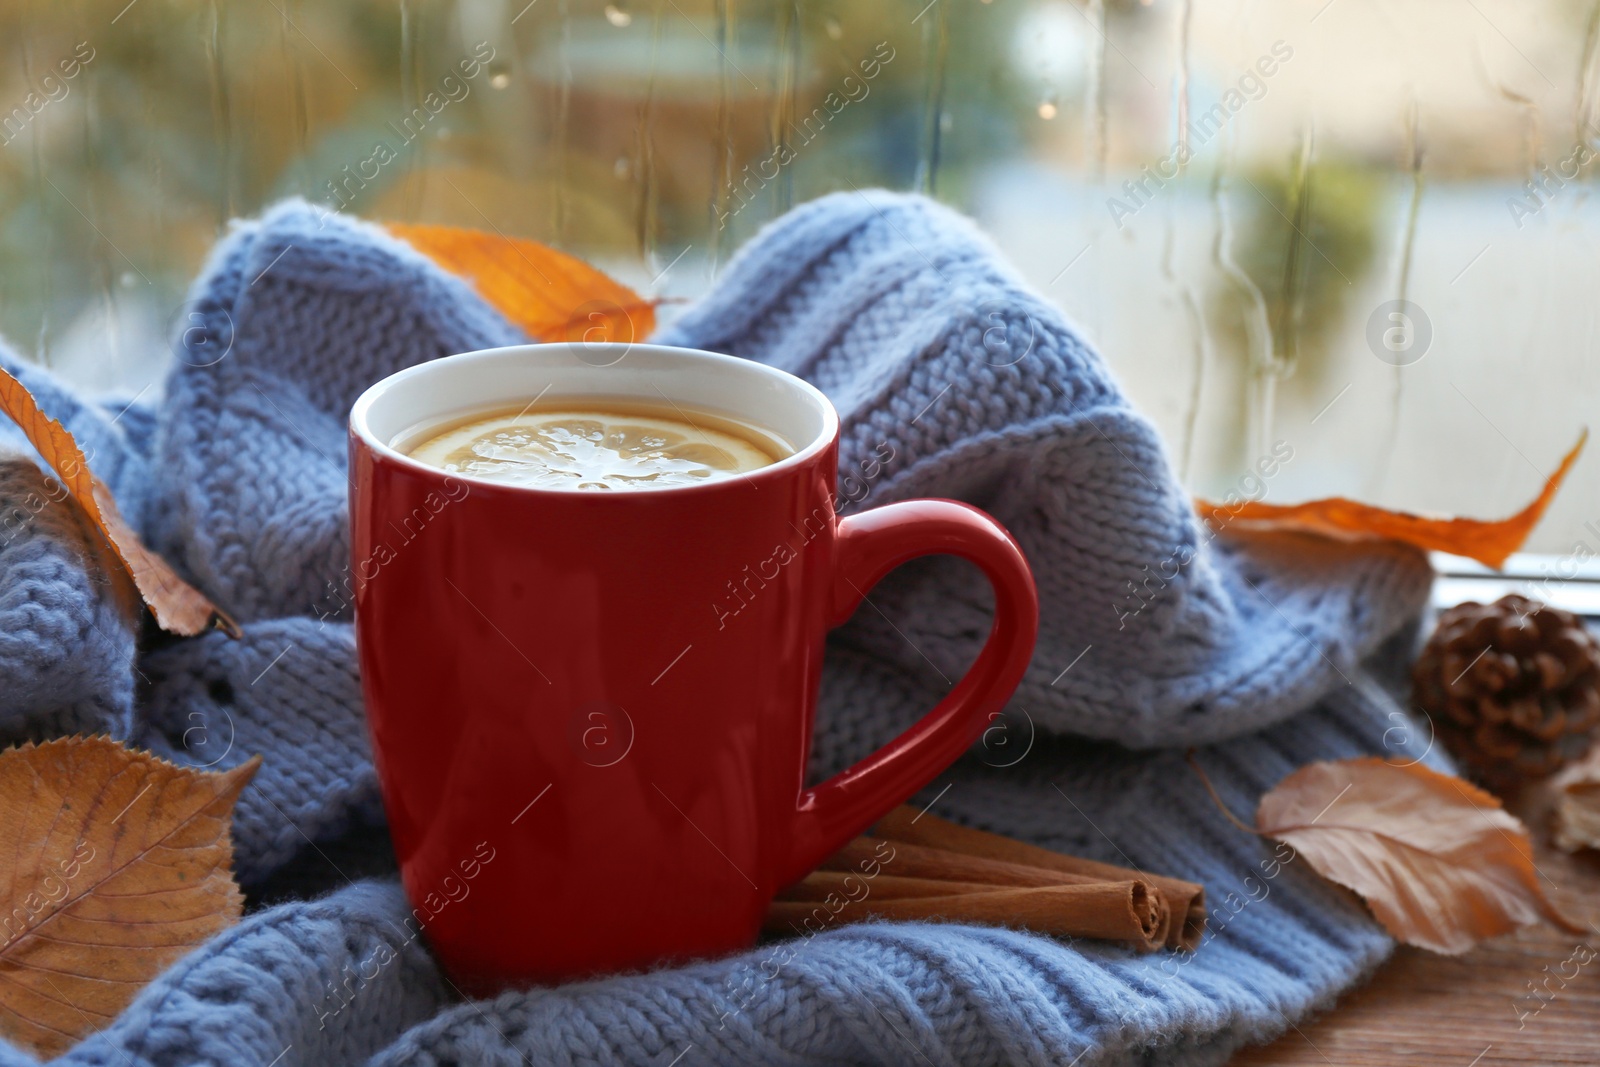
<point>495,378</point>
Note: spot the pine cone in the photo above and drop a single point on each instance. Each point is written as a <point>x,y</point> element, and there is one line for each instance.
<point>1512,688</point>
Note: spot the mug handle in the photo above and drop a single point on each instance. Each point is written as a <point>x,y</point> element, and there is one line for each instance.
<point>867,547</point>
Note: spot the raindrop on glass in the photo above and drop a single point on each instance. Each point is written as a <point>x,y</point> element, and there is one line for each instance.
<point>500,79</point>
<point>1047,110</point>
<point>617,17</point>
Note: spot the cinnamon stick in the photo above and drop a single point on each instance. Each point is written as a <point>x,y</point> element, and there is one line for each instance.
<point>944,865</point>
<point>1114,911</point>
<point>820,885</point>
<point>1186,901</point>
<point>915,860</point>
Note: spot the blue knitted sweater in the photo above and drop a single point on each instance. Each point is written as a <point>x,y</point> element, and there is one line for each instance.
<point>1156,634</point>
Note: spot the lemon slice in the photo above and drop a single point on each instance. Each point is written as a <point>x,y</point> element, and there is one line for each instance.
<point>590,450</point>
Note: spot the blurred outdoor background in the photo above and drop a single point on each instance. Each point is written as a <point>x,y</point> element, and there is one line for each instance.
<point>1308,163</point>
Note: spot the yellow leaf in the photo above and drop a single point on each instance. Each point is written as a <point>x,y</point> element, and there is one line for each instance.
<point>553,296</point>
<point>179,607</point>
<point>1439,862</point>
<point>1488,542</point>
<point>119,864</point>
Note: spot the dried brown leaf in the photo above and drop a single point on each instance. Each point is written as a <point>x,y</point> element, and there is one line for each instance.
<point>179,607</point>
<point>1488,542</point>
<point>118,864</point>
<point>1441,864</point>
<point>1577,804</point>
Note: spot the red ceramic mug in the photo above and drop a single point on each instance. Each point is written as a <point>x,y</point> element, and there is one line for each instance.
<point>589,760</point>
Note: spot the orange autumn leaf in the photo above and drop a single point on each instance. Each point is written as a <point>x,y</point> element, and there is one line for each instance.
<point>1441,864</point>
<point>1488,542</point>
<point>179,608</point>
<point>551,295</point>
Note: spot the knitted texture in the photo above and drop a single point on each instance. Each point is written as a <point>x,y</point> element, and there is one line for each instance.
<point>952,379</point>
<point>932,349</point>
<point>66,650</point>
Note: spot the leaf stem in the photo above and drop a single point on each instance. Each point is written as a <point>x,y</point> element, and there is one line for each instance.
<point>1194,765</point>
